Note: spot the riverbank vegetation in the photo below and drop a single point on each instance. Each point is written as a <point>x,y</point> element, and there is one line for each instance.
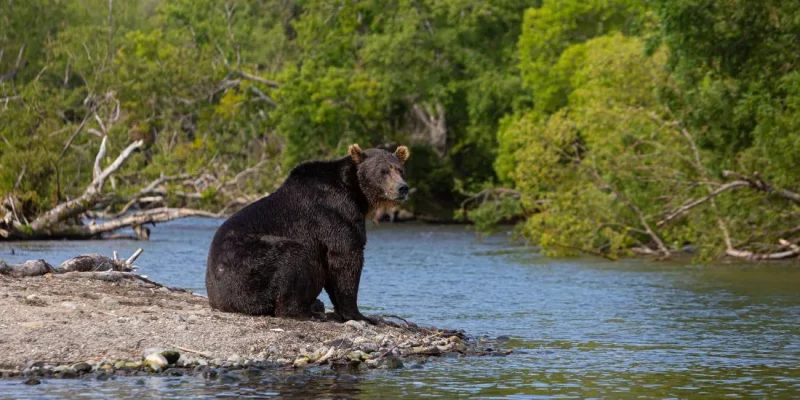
<point>607,127</point>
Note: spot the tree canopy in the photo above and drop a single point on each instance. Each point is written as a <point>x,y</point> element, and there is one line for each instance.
<point>601,126</point>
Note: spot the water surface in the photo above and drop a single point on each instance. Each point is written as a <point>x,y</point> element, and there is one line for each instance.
<point>580,328</point>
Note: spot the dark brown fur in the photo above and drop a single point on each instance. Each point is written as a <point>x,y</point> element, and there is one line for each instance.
<point>276,255</point>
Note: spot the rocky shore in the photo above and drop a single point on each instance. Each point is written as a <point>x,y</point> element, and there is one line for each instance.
<point>92,328</point>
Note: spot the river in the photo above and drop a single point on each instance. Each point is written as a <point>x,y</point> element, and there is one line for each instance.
<point>580,327</point>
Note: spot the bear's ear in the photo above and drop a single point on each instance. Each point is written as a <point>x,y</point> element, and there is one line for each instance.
<point>402,153</point>
<point>356,153</point>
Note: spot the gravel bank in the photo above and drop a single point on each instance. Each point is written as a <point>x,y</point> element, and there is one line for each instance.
<point>65,328</point>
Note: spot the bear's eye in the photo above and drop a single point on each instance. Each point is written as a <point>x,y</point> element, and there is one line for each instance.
<point>384,171</point>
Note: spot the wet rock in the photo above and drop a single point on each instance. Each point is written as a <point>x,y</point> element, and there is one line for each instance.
<point>236,359</point>
<point>132,365</point>
<point>356,355</point>
<point>200,369</point>
<point>32,381</point>
<point>172,356</point>
<point>102,376</point>
<point>67,374</point>
<point>301,362</point>
<point>34,364</point>
<point>60,368</point>
<point>426,350</point>
<point>210,373</point>
<point>451,354</point>
<point>173,372</point>
<point>503,338</point>
<point>391,362</point>
<point>156,362</point>
<point>81,367</point>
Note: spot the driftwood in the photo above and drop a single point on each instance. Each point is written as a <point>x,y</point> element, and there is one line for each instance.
<point>28,268</point>
<point>87,266</point>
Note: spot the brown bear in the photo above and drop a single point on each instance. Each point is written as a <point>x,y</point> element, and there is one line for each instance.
<point>275,256</point>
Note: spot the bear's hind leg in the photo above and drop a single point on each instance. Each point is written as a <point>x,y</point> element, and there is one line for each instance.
<point>298,283</point>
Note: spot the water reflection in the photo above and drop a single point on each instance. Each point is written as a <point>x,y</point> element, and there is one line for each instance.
<point>580,327</point>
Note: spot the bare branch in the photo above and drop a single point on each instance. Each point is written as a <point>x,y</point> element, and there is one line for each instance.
<point>254,78</point>
<point>758,183</point>
<point>75,134</point>
<point>692,204</point>
<point>87,200</point>
<point>97,170</point>
<point>97,183</point>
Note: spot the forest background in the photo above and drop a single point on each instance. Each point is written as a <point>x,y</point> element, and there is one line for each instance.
<point>600,126</point>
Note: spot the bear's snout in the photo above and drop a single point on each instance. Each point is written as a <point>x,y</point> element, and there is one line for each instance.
<point>402,191</point>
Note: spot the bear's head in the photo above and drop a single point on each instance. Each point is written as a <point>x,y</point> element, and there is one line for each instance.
<point>381,174</point>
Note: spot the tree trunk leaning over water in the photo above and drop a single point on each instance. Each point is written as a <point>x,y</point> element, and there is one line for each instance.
<point>65,220</point>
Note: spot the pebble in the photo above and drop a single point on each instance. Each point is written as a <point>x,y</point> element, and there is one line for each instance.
<point>359,325</point>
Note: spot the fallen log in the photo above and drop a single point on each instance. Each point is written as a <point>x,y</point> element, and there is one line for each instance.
<point>86,266</point>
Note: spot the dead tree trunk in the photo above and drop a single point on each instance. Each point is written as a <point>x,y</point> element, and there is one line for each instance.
<point>64,220</point>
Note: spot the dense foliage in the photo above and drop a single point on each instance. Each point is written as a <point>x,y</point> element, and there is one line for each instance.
<point>600,126</point>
